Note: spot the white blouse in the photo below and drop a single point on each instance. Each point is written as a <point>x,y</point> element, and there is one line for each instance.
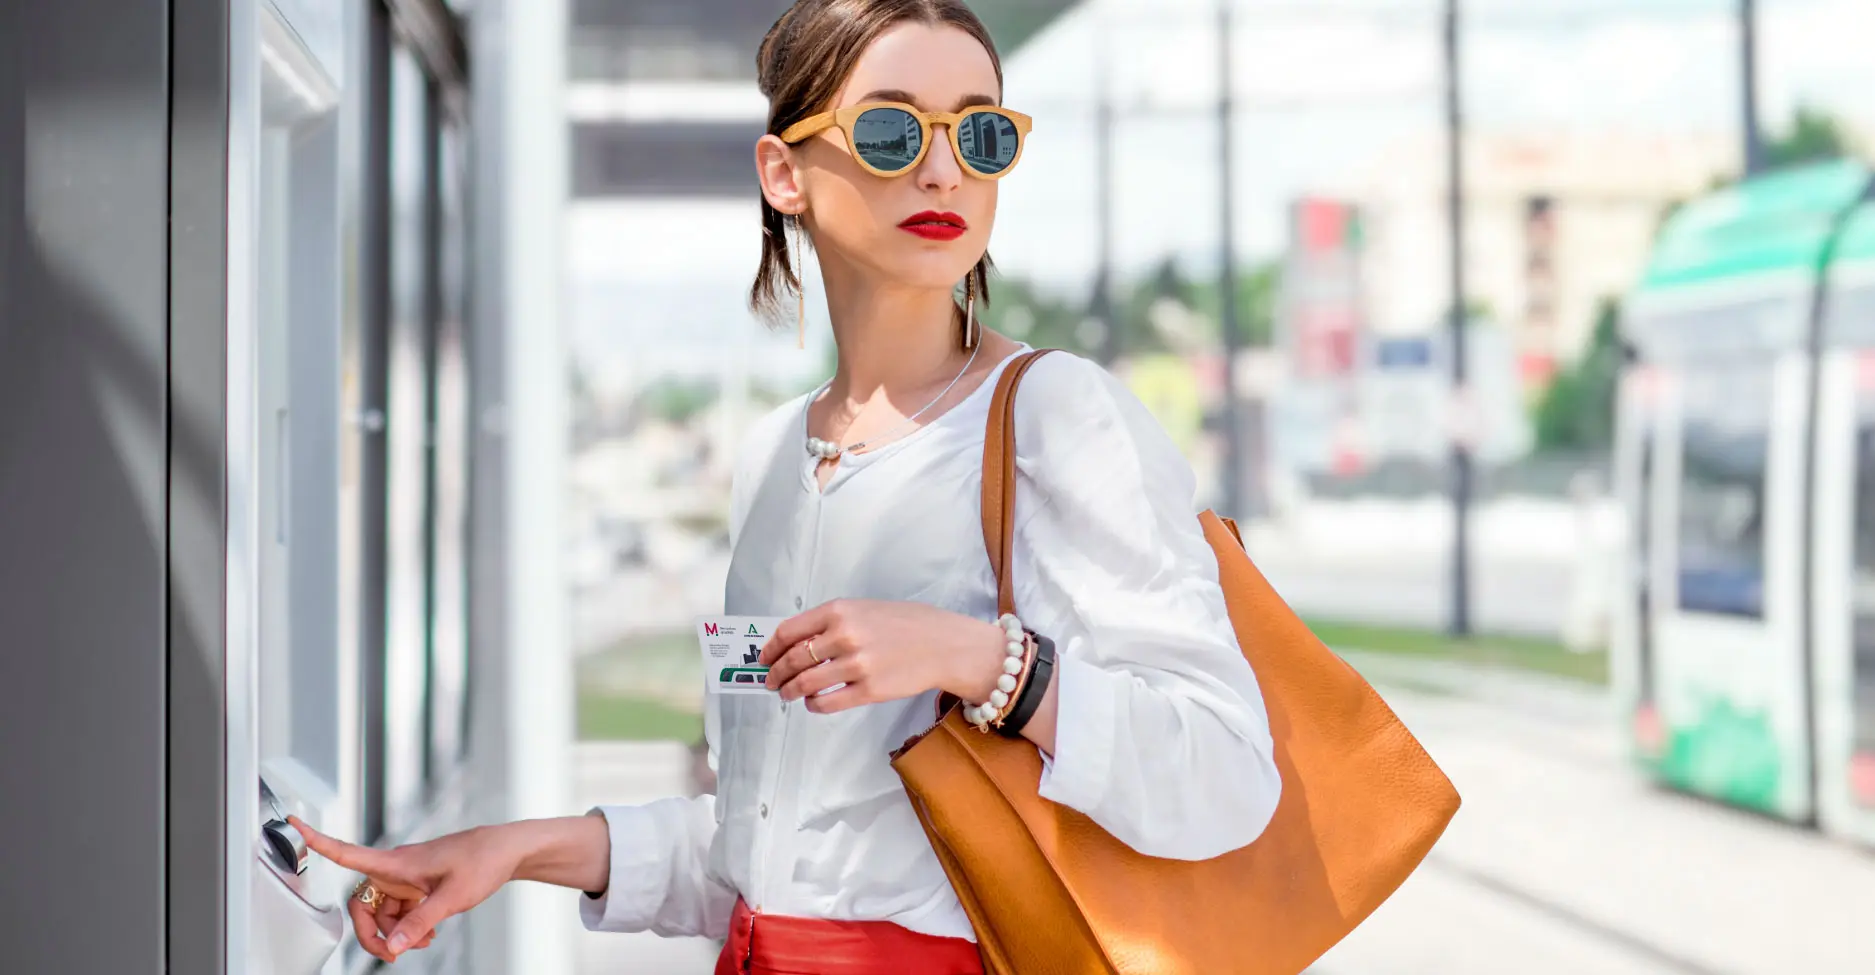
<point>1162,738</point>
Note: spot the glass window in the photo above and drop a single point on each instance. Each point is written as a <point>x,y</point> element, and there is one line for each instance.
<point>1726,419</point>
<point>274,711</point>
<point>449,610</point>
<point>407,448</point>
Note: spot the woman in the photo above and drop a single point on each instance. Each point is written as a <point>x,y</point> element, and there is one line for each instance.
<point>855,510</point>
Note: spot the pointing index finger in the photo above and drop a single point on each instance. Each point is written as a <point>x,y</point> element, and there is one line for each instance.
<point>361,859</point>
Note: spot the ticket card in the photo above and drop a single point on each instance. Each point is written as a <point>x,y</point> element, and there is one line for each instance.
<point>731,645</point>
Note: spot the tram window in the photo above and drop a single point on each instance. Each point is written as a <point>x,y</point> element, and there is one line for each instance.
<point>1862,597</point>
<point>1726,422</point>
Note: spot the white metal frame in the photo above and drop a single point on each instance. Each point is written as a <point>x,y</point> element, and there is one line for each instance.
<point>1635,449</point>
<point>537,701</point>
<point>242,554</point>
<point>1833,599</point>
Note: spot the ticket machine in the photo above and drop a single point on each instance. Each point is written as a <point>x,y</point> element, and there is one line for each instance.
<point>235,475</point>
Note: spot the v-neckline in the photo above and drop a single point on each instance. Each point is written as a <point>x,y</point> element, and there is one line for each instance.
<point>849,463</point>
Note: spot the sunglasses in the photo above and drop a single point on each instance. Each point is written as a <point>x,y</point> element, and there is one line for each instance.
<point>889,138</point>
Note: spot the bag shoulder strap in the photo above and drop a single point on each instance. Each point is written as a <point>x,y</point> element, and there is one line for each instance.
<point>999,478</point>
<point>999,489</point>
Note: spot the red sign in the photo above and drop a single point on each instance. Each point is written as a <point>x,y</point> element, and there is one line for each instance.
<point>1536,369</point>
<point>1322,308</point>
<point>1862,778</point>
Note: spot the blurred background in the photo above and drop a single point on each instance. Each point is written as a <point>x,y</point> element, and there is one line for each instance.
<point>371,372</point>
<point>1245,209</point>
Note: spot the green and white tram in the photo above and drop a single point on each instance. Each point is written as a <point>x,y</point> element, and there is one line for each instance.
<point>1745,453</point>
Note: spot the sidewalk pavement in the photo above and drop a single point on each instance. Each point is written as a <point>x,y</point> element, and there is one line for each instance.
<point>1564,859</point>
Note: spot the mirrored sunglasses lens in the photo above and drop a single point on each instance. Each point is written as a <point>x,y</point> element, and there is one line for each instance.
<point>887,138</point>
<point>989,142</point>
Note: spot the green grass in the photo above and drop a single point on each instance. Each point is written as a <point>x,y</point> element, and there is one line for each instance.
<point>1518,652</point>
<point>636,690</point>
<point>623,717</point>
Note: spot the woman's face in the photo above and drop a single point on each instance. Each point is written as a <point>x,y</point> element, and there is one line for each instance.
<point>874,221</point>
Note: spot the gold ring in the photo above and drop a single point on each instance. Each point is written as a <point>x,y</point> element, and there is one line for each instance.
<point>368,894</point>
<point>811,653</point>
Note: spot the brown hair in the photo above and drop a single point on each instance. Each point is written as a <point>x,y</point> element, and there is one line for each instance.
<point>805,58</point>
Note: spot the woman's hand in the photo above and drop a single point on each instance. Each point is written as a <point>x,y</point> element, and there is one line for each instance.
<point>423,883</point>
<point>881,651</point>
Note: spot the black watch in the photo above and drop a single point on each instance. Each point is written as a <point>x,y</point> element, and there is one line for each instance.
<point>1041,673</point>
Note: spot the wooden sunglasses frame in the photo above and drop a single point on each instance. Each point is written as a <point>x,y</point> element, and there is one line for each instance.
<point>844,119</point>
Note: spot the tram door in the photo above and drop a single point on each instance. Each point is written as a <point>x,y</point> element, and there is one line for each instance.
<point>1725,588</point>
<point>1844,550</point>
<point>1632,671</point>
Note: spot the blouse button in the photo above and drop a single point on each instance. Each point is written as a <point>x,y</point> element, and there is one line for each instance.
<point>764,810</point>
<point>797,602</point>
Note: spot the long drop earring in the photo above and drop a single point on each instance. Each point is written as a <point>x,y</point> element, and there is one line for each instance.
<point>800,287</point>
<point>971,333</point>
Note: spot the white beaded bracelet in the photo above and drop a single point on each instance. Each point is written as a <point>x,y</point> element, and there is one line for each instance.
<point>1015,650</point>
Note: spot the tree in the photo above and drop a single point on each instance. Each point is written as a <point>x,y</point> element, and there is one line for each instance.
<point>1577,412</point>
<point>1022,311</point>
<point>1814,136</point>
<point>1257,289</point>
<point>677,400</point>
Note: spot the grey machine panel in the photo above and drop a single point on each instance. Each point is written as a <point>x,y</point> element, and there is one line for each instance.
<point>196,818</point>
<point>84,194</point>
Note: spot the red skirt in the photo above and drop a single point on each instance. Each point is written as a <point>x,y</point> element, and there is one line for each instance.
<point>774,944</point>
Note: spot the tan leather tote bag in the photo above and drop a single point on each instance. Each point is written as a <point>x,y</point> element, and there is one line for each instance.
<point>1048,891</point>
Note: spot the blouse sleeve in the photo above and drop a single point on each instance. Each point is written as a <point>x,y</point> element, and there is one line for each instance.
<point>1162,738</point>
<point>660,877</point>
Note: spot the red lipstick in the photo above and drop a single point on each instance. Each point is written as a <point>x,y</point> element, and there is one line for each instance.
<point>933,225</point>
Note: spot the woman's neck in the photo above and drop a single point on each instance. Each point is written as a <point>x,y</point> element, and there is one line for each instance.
<point>890,338</point>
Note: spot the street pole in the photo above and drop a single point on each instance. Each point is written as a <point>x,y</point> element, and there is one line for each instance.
<point>1460,622</point>
<point>1748,84</point>
<point>1102,303</point>
<point>1227,267</point>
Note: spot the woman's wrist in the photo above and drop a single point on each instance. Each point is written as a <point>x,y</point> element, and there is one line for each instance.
<point>976,670</point>
<point>570,851</point>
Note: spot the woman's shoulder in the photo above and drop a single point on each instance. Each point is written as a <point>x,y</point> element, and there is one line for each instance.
<point>1069,399</point>
<point>1077,422</point>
